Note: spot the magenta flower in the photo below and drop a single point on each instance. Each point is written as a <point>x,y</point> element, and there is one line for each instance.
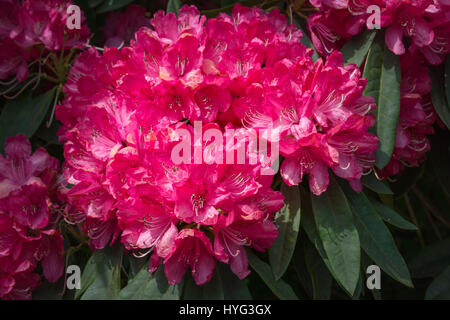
<point>191,249</point>
<point>27,219</point>
<point>230,240</point>
<point>20,167</point>
<point>29,25</point>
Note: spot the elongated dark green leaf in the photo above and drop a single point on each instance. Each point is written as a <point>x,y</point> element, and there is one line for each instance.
<point>24,115</point>
<point>431,260</point>
<point>173,6</point>
<point>106,283</point>
<point>391,217</point>
<point>438,95</point>
<point>320,276</point>
<point>382,71</point>
<point>355,50</point>
<point>371,182</point>
<point>309,225</point>
<point>145,286</point>
<point>111,5</point>
<point>280,288</point>
<point>439,289</point>
<point>288,222</point>
<point>376,240</point>
<point>338,234</point>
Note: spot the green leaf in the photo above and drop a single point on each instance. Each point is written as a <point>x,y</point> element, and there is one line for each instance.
<point>288,222</point>
<point>338,234</point>
<point>280,288</point>
<point>173,6</point>
<point>106,268</point>
<point>309,225</point>
<point>371,182</point>
<point>391,217</point>
<point>145,286</point>
<point>111,5</point>
<point>320,276</point>
<point>382,71</point>
<point>355,50</point>
<point>438,89</point>
<point>431,260</point>
<point>376,240</point>
<point>24,115</point>
<point>439,289</point>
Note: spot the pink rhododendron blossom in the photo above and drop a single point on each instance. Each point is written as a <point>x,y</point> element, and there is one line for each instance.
<point>27,219</point>
<point>425,23</point>
<point>29,29</point>
<point>128,110</point>
<point>322,123</point>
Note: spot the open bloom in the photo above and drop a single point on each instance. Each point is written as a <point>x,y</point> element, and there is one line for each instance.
<point>321,116</point>
<point>27,234</point>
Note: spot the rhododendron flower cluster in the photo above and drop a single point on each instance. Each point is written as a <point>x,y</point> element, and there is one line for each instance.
<point>29,28</point>
<point>426,23</point>
<point>27,219</point>
<point>417,117</point>
<point>125,110</point>
<point>321,116</point>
